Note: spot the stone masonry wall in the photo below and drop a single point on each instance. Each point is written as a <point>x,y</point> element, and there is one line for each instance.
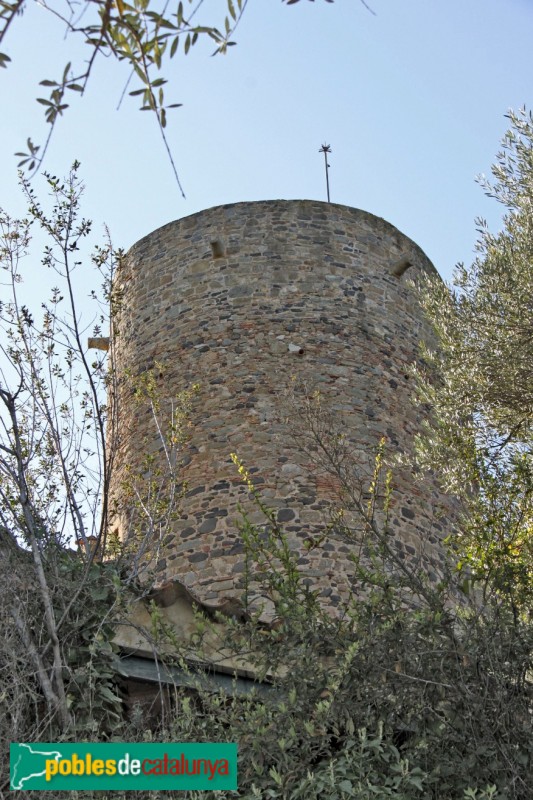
<point>248,300</point>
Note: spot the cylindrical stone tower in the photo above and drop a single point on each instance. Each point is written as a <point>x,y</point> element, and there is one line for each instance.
<point>263,305</point>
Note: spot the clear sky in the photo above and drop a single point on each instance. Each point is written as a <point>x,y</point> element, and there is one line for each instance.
<point>411,100</point>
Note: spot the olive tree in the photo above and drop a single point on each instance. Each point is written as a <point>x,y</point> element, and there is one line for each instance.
<point>481,438</point>
<point>144,34</point>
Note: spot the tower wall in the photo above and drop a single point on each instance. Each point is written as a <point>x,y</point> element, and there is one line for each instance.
<point>260,303</point>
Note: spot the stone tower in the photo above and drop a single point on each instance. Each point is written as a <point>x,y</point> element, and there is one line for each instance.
<point>264,304</point>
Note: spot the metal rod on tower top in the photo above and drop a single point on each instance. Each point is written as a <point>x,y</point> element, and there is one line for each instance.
<point>326,149</point>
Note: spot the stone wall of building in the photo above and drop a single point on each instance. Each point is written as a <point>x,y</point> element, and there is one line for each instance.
<point>260,303</point>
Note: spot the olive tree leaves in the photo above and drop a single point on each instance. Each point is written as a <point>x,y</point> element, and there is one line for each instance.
<point>144,33</point>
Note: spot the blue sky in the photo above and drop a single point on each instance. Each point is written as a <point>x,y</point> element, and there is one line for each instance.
<point>411,100</point>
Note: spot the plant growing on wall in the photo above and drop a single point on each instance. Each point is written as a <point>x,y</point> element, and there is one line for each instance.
<point>390,699</point>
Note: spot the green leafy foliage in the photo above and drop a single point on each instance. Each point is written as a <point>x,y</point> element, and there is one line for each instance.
<point>145,34</point>
<point>84,631</point>
<point>481,439</point>
<point>387,700</point>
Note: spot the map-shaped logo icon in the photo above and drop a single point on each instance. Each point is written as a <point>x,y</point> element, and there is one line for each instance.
<point>28,764</point>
